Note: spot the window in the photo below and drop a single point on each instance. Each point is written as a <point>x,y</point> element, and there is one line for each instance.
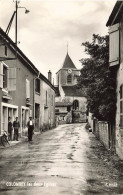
<point>76,104</point>
<point>37,85</point>
<point>114,41</point>
<point>68,108</point>
<point>3,75</point>
<point>12,79</point>
<point>27,89</point>
<point>6,50</point>
<point>56,111</point>
<point>69,78</point>
<point>121,106</point>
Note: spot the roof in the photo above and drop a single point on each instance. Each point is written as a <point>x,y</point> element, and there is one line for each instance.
<point>74,91</point>
<point>63,104</point>
<point>68,63</point>
<point>116,14</point>
<point>57,91</point>
<point>47,81</point>
<point>23,57</point>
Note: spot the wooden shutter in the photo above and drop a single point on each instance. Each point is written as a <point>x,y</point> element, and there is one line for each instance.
<point>30,113</point>
<point>1,75</point>
<point>46,98</point>
<point>121,106</point>
<point>12,79</point>
<point>27,88</point>
<point>114,45</point>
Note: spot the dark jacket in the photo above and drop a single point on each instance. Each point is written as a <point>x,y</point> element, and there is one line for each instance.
<point>10,128</point>
<point>16,124</point>
<point>30,126</point>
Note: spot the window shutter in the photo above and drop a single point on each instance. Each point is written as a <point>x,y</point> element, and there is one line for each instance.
<point>1,75</point>
<point>114,45</point>
<point>27,88</point>
<point>30,113</point>
<point>46,98</point>
<point>12,79</point>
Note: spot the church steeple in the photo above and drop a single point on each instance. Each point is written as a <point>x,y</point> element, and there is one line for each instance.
<point>67,47</point>
<point>68,62</point>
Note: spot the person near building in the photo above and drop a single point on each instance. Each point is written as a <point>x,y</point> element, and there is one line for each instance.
<point>16,126</point>
<point>10,129</point>
<point>30,126</point>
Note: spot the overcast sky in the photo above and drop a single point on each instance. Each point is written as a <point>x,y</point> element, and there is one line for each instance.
<point>44,32</point>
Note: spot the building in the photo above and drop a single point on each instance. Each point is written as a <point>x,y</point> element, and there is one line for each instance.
<point>44,102</point>
<point>115,24</point>
<point>23,89</point>
<point>70,101</point>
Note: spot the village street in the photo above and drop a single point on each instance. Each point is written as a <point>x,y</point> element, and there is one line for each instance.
<point>67,160</point>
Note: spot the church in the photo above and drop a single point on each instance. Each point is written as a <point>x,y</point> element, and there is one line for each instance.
<point>70,101</point>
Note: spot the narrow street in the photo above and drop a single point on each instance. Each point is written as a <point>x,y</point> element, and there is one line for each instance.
<point>67,160</point>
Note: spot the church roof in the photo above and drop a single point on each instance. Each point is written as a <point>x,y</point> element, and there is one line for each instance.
<point>68,63</point>
<point>74,91</point>
<point>63,104</point>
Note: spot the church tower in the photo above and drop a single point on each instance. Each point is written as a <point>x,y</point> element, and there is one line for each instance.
<point>70,102</point>
<point>67,75</point>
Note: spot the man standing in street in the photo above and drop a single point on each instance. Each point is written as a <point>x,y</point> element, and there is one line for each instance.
<point>30,126</point>
<point>16,126</point>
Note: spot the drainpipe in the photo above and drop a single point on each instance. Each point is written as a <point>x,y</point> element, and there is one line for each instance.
<point>34,100</point>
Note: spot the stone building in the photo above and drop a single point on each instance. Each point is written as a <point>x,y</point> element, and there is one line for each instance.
<point>70,101</point>
<point>24,91</point>
<point>115,24</point>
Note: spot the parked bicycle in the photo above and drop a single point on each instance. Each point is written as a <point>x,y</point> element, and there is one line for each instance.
<point>4,139</point>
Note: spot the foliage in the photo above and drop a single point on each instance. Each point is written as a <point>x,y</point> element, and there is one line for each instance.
<point>98,79</point>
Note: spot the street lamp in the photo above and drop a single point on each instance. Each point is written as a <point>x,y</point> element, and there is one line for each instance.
<point>15,14</point>
<point>9,26</point>
<point>26,12</point>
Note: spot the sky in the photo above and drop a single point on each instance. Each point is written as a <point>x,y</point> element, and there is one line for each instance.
<point>44,32</point>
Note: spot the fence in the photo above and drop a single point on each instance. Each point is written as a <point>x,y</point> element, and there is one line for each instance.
<point>102,130</point>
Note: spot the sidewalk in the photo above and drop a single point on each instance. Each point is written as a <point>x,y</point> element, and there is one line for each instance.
<point>21,139</point>
<point>12,143</point>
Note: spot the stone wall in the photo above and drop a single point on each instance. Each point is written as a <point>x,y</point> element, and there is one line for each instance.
<point>104,133</point>
<point>100,129</point>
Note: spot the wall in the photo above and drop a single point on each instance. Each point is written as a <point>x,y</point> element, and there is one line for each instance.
<point>104,133</point>
<point>119,131</point>
<point>63,73</point>
<point>23,72</point>
<point>47,111</point>
<point>19,95</point>
<point>81,112</point>
<point>82,102</point>
<point>100,129</point>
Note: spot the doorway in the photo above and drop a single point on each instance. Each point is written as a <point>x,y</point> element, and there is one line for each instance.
<point>37,117</point>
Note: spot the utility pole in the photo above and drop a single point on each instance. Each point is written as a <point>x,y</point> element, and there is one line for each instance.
<point>16,7</point>
<point>16,27</point>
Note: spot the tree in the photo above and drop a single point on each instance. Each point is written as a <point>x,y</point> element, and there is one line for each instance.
<point>98,79</point>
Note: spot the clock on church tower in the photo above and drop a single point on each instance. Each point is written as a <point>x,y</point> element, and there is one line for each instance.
<point>69,71</point>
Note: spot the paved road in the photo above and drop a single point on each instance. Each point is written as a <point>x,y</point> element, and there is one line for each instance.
<point>65,161</point>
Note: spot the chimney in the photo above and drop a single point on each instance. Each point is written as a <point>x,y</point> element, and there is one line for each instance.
<point>50,76</point>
